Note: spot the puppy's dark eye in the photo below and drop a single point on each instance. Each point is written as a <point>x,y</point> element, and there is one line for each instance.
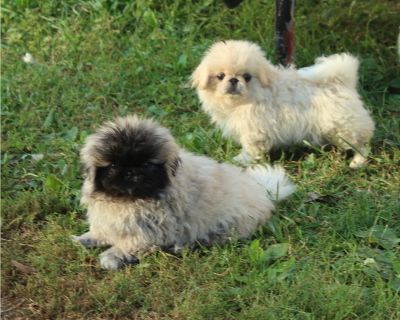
<point>149,165</point>
<point>247,77</point>
<point>112,166</point>
<point>221,76</point>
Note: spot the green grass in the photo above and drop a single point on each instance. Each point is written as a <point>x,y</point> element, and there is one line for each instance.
<point>335,258</point>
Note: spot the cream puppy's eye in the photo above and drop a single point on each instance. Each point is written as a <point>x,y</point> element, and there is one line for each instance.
<point>247,77</point>
<point>221,76</point>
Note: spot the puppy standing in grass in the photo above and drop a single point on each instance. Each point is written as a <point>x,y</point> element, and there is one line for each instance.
<point>143,192</point>
<point>262,106</point>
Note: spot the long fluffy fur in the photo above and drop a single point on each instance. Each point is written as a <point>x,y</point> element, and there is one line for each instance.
<point>205,201</point>
<point>337,67</point>
<point>278,106</point>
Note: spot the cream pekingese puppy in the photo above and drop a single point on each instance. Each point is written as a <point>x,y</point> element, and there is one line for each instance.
<point>263,106</point>
<point>143,192</point>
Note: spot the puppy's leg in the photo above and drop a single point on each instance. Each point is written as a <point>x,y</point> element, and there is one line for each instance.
<point>353,131</point>
<point>360,157</point>
<point>361,151</point>
<point>356,142</point>
<point>88,241</point>
<point>252,149</point>
<point>114,258</point>
<point>243,158</point>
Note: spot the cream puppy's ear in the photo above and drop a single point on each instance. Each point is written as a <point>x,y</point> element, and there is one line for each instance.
<point>200,77</point>
<point>266,73</point>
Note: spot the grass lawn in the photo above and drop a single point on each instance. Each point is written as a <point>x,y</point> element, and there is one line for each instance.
<point>335,257</point>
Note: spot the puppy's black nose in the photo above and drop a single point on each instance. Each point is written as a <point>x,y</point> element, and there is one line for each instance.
<point>129,173</point>
<point>233,81</point>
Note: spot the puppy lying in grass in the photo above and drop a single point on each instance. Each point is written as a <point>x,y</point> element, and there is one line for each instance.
<point>144,192</point>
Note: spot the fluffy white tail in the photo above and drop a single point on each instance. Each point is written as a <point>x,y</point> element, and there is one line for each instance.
<point>342,67</point>
<point>274,179</point>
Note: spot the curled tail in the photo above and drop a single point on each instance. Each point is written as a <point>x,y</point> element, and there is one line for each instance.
<point>342,67</point>
<point>274,179</point>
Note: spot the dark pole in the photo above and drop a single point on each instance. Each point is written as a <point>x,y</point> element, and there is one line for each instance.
<point>232,3</point>
<point>284,31</point>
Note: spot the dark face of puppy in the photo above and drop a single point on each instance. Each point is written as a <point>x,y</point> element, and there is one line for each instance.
<point>134,168</point>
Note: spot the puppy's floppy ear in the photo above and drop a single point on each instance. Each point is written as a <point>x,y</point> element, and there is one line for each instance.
<point>200,78</point>
<point>88,172</point>
<point>266,73</point>
<point>85,170</point>
<point>174,165</point>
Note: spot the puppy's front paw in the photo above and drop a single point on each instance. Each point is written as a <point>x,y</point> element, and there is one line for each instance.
<point>112,259</point>
<point>86,240</point>
<point>243,159</point>
<point>358,161</point>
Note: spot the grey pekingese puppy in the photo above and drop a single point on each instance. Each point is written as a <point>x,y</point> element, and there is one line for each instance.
<point>144,192</point>
<point>263,106</point>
